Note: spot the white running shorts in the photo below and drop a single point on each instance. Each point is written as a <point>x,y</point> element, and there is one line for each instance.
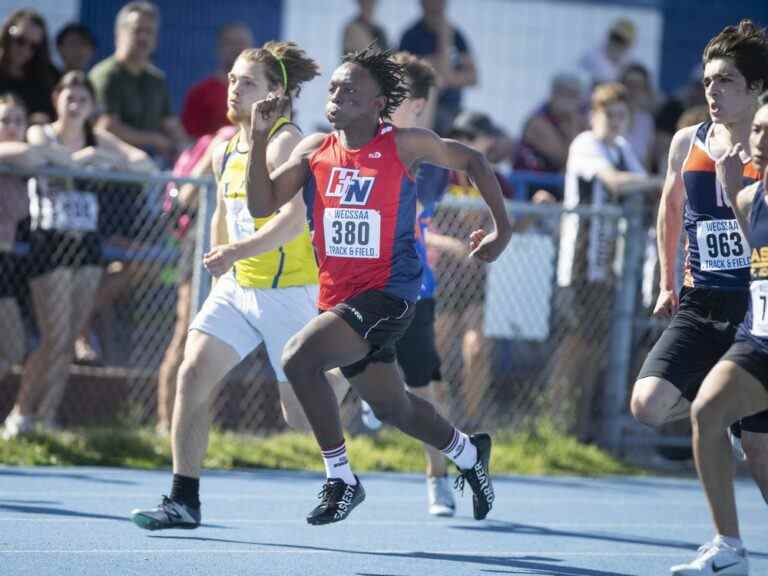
<point>243,318</point>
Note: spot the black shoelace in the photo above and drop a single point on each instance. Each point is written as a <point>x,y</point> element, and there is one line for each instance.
<point>331,491</point>
<point>458,484</point>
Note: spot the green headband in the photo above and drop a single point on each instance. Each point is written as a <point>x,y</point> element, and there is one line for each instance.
<point>284,71</point>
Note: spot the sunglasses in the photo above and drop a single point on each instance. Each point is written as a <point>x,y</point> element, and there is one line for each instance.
<point>25,42</point>
<point>18,37</point>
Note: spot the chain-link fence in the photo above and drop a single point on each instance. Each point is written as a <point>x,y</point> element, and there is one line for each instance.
<point>90,290</point>
<point>98,303</point>
<point>521,341</point>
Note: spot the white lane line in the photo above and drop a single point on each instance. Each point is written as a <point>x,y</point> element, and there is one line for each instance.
<point>524,528</point>
<point>510,556</point>
<point>8,496</point>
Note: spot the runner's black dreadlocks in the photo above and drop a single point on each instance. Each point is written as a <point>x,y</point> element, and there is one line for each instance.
<point>389,75</point>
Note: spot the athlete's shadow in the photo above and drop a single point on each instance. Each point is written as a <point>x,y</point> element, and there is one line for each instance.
<point>514,528</point>
<point>47,473</point>
<point>36,507</point>
<point>536,564</point>
<point>48,511</point>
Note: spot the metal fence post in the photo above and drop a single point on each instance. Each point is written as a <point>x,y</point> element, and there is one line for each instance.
<point>622,332</point>
<point>200,278</point>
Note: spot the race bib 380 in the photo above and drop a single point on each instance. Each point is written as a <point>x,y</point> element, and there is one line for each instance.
<point>352,233</point>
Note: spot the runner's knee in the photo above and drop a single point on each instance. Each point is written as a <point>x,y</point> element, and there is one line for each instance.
<point>706,417</point>
<point>190,386</point>
<point>650,404</point>
<point>297,364</point>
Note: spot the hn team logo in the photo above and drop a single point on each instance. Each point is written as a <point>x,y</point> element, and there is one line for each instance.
<point>347,184</point>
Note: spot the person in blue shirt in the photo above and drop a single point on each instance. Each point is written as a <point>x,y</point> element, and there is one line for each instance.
<point>439,42</point>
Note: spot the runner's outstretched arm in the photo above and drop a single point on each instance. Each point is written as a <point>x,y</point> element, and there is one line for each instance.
<point>416,145</point>
<point>669,222</point>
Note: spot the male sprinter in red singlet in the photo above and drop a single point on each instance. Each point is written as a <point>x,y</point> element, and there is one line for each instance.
<point>714,297</point>
<point>362,217</point>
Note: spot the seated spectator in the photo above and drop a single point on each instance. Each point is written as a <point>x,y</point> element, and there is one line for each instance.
<point>65,247</point>
<point>549,131</point>
<point>438,41</point>
<point>14,210</point>
<point>132,93</point>
<point>205,105</point>
<point>602,168</point>
<point>362,31</point>
<point>605,63</point>
<point>25,63</point>
<point>76,46</point>
<point>642,105</point>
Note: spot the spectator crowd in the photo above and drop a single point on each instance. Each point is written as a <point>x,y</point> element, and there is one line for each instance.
<point>603,128</point>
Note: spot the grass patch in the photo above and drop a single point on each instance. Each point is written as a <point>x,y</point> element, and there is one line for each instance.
<point>543,452</point>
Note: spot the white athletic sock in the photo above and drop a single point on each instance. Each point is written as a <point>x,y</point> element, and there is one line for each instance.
<point>730,541</point>
<point>337,464</point>
<point>460,450</point>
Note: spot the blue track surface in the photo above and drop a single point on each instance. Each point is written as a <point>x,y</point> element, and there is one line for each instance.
<point>75,521</point>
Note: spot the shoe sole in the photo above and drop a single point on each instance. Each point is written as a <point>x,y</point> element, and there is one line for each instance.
<point>443,513</point>
<point>148,523</point>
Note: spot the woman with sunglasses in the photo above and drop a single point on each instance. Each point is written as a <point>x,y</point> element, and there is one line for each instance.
<point>25,63</point>
<point>14,210</point>
<point>65,256</point>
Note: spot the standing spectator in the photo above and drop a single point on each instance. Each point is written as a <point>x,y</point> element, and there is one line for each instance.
<point>478,353</point>
<point>65,246</point>
<point>642,105</point>
<point>549,131</point>
<point>25,63</point>
<point>76,46</point>
<point>205,105</point>
<point>362,31</point>
<point>463,329</point>
<point>132,92</point>
<point>436,40</point>
<point>605,63</point>
<point>601,169</point>
<point>14,208</point>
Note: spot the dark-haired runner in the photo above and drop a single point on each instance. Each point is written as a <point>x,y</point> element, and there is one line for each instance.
<point>714,297</point>
<point>737,387</point>
<point>362,219</point>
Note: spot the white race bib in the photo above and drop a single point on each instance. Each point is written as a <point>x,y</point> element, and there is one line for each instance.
<point>722,246</point>
<point>759,292</point>
<point>352,233</point>
<point>73,211</point>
